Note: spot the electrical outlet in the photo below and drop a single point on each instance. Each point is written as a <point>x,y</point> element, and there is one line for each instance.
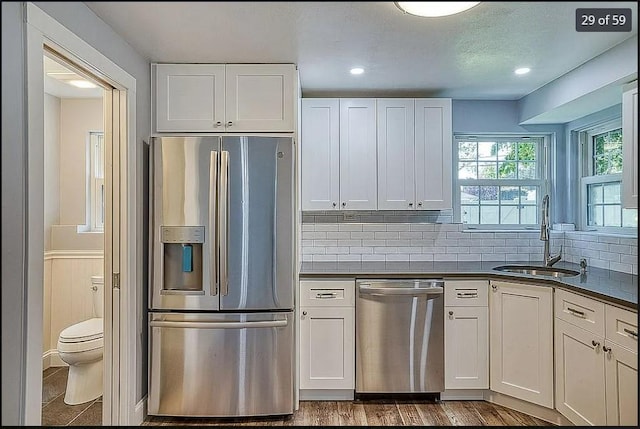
<point>349,216</point>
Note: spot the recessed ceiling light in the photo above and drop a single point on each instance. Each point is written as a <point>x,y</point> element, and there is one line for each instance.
<point>522,70</point>
<point>82,83</point>
<point>434,8</point>
<point>357,70</point>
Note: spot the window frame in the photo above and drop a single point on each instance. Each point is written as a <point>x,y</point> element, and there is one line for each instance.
<point>587,176</point>
<point>542,170</point>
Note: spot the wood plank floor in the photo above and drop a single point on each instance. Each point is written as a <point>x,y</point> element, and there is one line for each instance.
<point>374,413</point>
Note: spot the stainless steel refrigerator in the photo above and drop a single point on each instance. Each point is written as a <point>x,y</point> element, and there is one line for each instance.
<point>221,281</point>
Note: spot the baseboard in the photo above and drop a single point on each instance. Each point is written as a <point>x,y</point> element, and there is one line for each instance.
<point>462,395</point>
<point>535,410</point>
<point>51,358</point>
<point>326,394</point>
<point>140,412</point>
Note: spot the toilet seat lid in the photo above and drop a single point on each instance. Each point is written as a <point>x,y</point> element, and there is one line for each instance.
<point>84,331</point>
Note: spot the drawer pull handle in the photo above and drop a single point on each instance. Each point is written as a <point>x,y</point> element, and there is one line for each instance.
<point>467,294</point>
<point>326,295</point>
<point>576,312</point>
<point>630,332</point>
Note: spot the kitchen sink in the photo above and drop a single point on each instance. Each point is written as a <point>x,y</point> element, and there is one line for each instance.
<point>538,271</point>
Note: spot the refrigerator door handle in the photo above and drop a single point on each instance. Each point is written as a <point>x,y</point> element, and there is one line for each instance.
<point>213,243</point>
<point>218,325</point>
<point>223,222</point>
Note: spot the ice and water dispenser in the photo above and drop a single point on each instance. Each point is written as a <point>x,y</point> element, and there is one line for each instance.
<point>182,258</point>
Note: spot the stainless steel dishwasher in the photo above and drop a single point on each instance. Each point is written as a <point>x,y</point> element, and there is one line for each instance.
<point>400,336</point>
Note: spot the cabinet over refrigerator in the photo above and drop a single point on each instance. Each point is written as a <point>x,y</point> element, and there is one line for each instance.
<point>221,276</point>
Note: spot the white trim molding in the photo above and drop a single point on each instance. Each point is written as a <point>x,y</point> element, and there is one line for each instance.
<point>73,254</point>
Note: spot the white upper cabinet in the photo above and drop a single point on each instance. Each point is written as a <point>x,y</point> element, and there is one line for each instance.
<point>224,97</point>
<point>396,171</point>
<point>320,153</point>
<point>190,97</point>
<point>630,146</point>
<point>358,178</point>
<point>433,153</point>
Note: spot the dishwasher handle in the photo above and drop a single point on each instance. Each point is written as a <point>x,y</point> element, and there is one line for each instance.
<point>388,291</point>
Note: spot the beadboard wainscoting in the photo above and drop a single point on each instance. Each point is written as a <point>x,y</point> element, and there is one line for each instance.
<point>68,297</point>
<point>384,242</point>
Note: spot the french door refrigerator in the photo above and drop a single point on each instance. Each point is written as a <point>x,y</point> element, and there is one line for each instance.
<point>221,276</point>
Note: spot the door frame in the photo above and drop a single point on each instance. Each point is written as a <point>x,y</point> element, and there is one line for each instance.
<point>120,406</point>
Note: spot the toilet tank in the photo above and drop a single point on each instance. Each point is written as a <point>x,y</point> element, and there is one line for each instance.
<point>97,288</point>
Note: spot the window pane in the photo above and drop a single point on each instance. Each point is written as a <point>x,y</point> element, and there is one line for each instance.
<point>486,170</point>
<point>469,194</point>
<point>599,145</point>
<point>528,214</point>
<point>489,214</point>
<point>612,192</point>
<point>468,151</point>
<point>594,194</point>
<point>470,214</point>
<point>509,214</point>
<point>507,151</point>
<point>612,215</point>
<point>615,161</point>
<point>526,170</point>
<point>601,164</point>
<point>509,194</point>
<point>528,195</point>
<point>595,216</point>
<point>527,151</point>
<point>468,170</point>
<point>489,195</point>
<point>487,151</point>
<point>507,170</point>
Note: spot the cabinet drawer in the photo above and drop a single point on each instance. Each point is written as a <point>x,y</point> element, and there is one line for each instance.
<point>622,327</point>
<point>327,293</point>
<point>580,311</point>
<point>469,293</point>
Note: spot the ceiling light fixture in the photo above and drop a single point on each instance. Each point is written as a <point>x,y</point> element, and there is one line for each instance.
<point>82,84</point>
<point>522,70</point>
<point>357,70</point>
<point>434,8</point>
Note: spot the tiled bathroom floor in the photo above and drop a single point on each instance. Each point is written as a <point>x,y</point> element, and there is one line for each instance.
<point>55,412</point>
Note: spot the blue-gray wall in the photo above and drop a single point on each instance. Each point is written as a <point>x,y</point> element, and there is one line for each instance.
<point>79,19</point>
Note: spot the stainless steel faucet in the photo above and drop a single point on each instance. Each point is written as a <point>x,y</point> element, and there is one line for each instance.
<point>544,234</point>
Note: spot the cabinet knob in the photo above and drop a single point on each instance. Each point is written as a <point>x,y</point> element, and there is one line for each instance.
<point>229,124</point>
<point>344,204</point>
<point>217,124</point>
<point>606,349</point>
<point>334,204</point>
<point>410,204</point>
<point>420,204</point>
<point>451,313</point>
<point>304,313</point>
<point>595,344</point>
<point>494,287</point>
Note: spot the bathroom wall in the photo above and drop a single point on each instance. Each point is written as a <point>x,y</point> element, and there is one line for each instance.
<point>71,257</point>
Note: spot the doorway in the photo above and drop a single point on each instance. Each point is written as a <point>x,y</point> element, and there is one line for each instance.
<point>45,35</point>
<point>74,215</point>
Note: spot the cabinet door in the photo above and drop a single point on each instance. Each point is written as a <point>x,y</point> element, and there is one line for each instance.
<point>358,184</point>
<point>433,153</point>
<point>630,146</point>
<point>521,339</point>
<point>327,348</point>
<point>466,348</point>
<point>259,97</point>
<point>190,97</point>
<point>320,153</point>
<point>580,378</point>
<point>396,177</point>
<point>621,368</point>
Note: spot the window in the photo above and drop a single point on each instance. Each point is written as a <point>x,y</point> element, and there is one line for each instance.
<point>96,180</point>
<point>500,180</point>
<point>602,179</point>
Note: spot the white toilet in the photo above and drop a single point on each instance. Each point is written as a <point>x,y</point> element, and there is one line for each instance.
<point>81,347</point>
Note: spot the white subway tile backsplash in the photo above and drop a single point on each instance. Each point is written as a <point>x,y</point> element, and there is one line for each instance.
<point>341,241</point>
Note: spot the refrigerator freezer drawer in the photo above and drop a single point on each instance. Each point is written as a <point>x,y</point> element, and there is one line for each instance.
<point>219,365</point>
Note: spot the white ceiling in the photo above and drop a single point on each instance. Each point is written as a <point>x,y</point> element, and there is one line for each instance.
<point>471,55</point>
<point>59,87</point>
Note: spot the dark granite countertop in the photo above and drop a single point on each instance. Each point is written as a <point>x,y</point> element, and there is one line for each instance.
<point>611,286</point>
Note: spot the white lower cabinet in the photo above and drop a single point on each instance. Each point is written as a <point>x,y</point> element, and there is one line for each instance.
<point>521,341</point>
<point>327,336</point>
<point>596,374</point>
<point>466,335</point>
